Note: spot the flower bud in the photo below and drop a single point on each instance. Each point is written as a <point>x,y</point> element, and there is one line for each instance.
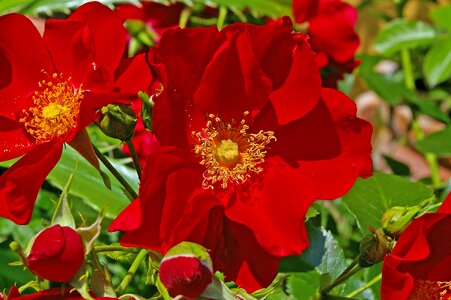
<point>186,270</point>
<point>397,218</point>
<point>373,248</point>
<point>56,254</point>
<point>118,121</point>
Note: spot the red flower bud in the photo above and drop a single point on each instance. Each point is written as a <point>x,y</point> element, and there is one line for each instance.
<point>185,275</point>
<point>56,254</point>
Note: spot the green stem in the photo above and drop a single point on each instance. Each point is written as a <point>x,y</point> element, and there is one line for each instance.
<point>341,279</point>
<point>222,17</point>
<point>106,248</point>
<point>431,158</point>
<point>407,68</point>
<point>135,157</point>
<point>409,79</point>
<point>131,272</point>
<point>115,172</point>
<point>364,287</point>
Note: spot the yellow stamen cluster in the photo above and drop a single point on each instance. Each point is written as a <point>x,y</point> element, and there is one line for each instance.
<point>431,290</point>
<point>56,106</point>
<point>229,153</point>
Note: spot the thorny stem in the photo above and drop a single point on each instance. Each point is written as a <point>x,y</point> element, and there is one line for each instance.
<point>364,287</point>
<point>131,272</point>
<point>115,173</point>
<point>106,248</point>
<point>431,158</point>
<point>135,157</point>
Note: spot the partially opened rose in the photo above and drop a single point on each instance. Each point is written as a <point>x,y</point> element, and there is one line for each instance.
<point>419,267</point>
<point>186,270</point>
<point>56,254</point>
<point>249,140</point>
<point>51,88</point>
<point>330,26</point>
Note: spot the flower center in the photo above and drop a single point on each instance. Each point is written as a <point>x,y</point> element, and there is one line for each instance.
<point>56,106</point>
<point>229,153</point>
<point>431,290</point>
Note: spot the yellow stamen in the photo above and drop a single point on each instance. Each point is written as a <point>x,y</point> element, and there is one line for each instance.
<point>229,153</point>
<point>431,290</point>
<point>55,110</point>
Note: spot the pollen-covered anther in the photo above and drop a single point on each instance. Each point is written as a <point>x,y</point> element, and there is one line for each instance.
<point>431,290</point>
<point>55,109</point>
<point>229,153</point>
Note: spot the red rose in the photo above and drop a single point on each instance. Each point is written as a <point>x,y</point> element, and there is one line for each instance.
<point>419,267</point>
<point>332,36</point>
<point>51,88</point>
<point>248,141</point>
<point>56,254</point>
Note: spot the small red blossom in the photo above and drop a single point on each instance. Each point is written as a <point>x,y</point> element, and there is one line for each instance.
<point>51,88</point>
<point>249,140</point>
<point>330,26</point>
<point>185,275</point>
<point>419,266</point>
<point>56,254</point>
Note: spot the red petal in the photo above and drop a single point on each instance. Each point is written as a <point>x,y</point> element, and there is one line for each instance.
<point>14,140</point>
<point>133,75</point>
<point>446,205</point>
<point>395,284</point>
<point>240,257</point>
<point>71,45</point>
<point>273,46</point>
<point>304,9</point>
<point>335,176</point>
<point>129,219</point>
<point>108,32</point>
<point>278,227</point>
<point>301,91</point>
<point>23,57</point>
<point>332,31</point>
<point>233,81</point>
<point>20,184</point>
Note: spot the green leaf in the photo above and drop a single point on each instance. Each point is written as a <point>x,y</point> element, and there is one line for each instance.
<point>438,143</point>
<point>101,279</point>
<point>398,168</point>
<point>370,198</point>
<point>270,8</point>
<point>303,285</point>
<point>63,215</point>
<point>442,16</point>
<point>403,34</point>
<point>437,62</point>
<point>88,184</point>
<point>34,7</point>
<point>390,88</point>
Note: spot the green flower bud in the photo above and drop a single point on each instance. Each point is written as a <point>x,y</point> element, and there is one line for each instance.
<point>373,248</point>
<point>118,121</point>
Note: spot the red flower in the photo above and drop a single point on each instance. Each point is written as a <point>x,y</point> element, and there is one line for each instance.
<point>158,17</point>
<point>50,90</point>
<point>419,266</point>
<point>185,276</point>
<point>56,254</point>
<point>248,141</point>
<point>332,35</point>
